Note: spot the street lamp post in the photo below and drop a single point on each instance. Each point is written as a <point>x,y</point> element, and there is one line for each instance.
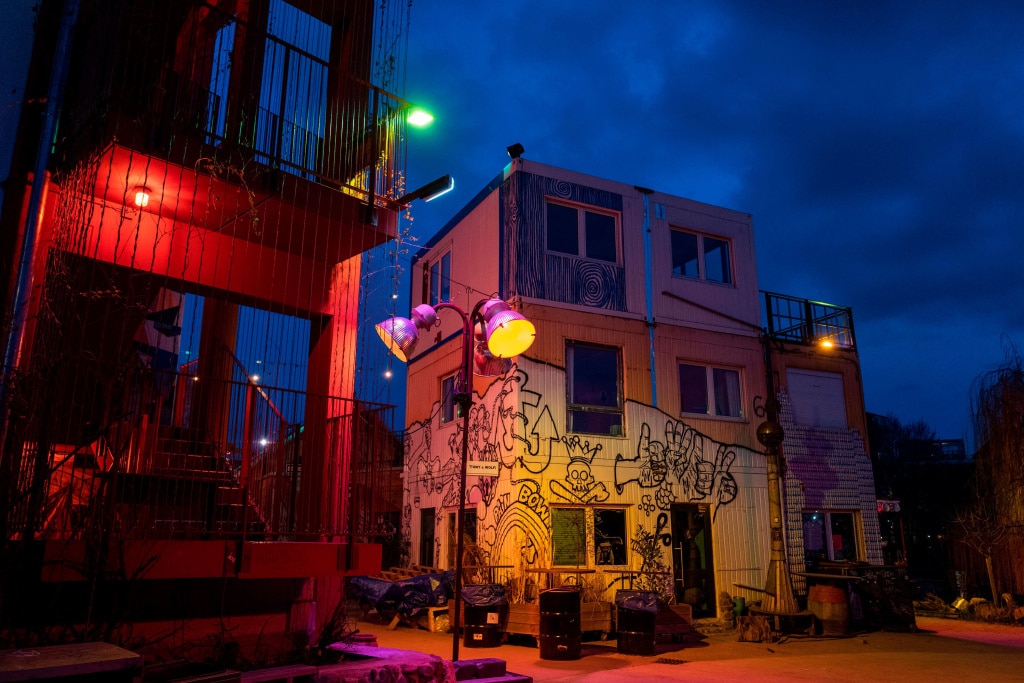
<point>505,333</point>
<point>779,597</point>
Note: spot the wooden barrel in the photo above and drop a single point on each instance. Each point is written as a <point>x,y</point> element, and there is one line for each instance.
<point>829,604</point>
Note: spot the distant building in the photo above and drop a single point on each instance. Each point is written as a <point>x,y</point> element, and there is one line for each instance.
<point>630,424</point>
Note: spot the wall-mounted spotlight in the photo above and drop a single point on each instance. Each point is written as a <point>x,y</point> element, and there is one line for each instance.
<point>515,150</point>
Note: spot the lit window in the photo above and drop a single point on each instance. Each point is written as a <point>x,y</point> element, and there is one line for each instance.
<point>829,537</point>
<point>437,280</point>
<point>582,232</point>
<point>706,390</point>
<point>700,257</point>
<point>593,379</point>
<point>568,537</point>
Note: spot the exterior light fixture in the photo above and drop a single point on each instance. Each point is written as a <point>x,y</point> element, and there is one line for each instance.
<point>142,197</point>
<point>515,150</point>
<point>419,117</point>
<point>430,191</point>
<point>491,334</point>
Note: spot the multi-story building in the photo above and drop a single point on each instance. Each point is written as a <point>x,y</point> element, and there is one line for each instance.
<point>201,175</point>
<point>625,438</point>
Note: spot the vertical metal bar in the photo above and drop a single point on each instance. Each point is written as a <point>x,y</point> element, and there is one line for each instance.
<point>247,445</point>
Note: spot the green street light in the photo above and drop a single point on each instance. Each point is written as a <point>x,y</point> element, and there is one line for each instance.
<point>419,118</point>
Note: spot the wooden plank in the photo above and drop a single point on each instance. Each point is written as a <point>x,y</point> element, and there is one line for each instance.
<point>75,660</point>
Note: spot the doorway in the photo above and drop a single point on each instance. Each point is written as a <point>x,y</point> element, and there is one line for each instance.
<point>693,567</point>
<point>468,534</point>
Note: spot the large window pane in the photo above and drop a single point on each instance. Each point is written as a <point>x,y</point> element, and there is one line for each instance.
<point>600,238</point>
<point>588,422</point>
<point>844,538</point>
<point>693,388</point>
<point>684,255</point>
<point>563,229</point>
<point>446,277</point>
<point>609,537</point>
<point>595,376</point>
<point>716,261</point>
<point>727,392</point>
<point>568,537</point>
<point>815,549</point>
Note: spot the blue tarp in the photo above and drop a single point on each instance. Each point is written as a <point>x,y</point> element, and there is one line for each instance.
<point>484,595</point>
<point>641,601</point>
<point>404,597</point>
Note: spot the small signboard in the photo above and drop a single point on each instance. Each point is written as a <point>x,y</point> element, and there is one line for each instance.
<point>479,468</point>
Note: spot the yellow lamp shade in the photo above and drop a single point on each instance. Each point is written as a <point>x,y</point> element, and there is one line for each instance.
<point>508,332</point>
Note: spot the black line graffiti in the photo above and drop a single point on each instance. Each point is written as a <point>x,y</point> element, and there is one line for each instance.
<point>582,486</point>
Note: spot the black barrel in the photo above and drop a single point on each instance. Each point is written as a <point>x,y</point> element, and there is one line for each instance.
<point>560,623</point>
<point>484,608</point>
<point>636,614</point>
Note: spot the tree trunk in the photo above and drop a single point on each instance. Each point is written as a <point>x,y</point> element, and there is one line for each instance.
<point>992,580</point>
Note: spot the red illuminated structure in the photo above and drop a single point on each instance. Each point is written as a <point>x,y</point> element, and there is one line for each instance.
<point>236,152</point>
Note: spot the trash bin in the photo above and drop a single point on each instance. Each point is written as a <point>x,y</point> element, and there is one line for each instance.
<point>636,614</point>
<point>484,607</point>
<point>559,624</point>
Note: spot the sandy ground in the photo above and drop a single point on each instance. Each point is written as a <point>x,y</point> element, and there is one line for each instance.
<point>941,650</point>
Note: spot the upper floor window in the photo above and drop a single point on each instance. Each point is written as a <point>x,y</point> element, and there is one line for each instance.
<point>582,232</point>
<point>437,279</point>
<point>706,390</point>
<point>701,257</point>
<point>594,379</point>
<point>449,410</point>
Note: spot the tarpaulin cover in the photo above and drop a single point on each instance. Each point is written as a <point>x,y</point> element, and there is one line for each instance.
<point>403,597</point>
<point>641,601</point>
<point>484,595</point>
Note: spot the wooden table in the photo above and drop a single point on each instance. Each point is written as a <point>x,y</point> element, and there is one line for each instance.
<point>553,573</point>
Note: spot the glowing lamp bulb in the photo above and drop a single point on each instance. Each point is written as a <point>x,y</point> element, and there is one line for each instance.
<point>141,197</point>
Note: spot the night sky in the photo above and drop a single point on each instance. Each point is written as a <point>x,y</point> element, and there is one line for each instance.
<point>879,147</point>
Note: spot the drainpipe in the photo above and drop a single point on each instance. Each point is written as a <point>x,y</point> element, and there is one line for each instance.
<point>23,285</point>
<point>649,288</point>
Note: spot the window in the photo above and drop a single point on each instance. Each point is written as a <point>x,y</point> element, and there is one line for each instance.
<point>594,396</point>
<point>706,390</point>
<point>609,536</point>
<point>701,257</point>
<point>570,542</point>
<point>582,232</point>
<point>427,537</point>
<point>468,534</point>
<point>437,280</point>
<point>829,537</point>
<point>449,410</point>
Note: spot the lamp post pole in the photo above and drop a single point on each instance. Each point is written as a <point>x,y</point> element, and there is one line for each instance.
<point>778,588</point>
<point>464,399</point>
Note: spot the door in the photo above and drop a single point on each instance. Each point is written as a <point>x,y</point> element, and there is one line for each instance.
<point>693,567</point>
<point>468,534</point>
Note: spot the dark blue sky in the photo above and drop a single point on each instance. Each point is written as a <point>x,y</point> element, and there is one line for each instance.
<point>878,145</point>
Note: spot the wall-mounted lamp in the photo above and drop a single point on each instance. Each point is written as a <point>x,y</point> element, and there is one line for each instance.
<point>515,150</point>
<point>141,196</point>
<point>430,191</point>
<point>419,117</point>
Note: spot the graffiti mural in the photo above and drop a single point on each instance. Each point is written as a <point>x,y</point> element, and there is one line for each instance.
<point>522,430</point>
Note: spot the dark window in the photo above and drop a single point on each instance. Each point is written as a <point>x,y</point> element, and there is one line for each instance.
<point>568,227</point>
<point>829,537</point>
<point>705,390</point>
<point>690,250</point>
<point>441,279</point>
<point>609,537</point>
<point>449,411</point>
<point>427,537</point>
<point>594,395</point>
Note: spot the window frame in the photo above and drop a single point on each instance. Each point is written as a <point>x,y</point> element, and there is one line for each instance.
<point>442,277</point>
<point>709,388</point>
<point>581,230</point>
<point>587,554</point>
<point>572,408</point>
<point>829,534</point>
<point>450,411</point>
<point>702,256</point>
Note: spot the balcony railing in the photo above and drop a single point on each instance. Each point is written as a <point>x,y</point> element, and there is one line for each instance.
<point>169,469</point>
<point>802,321</point>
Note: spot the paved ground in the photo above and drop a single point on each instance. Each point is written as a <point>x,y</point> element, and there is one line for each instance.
<point>941,650</point>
